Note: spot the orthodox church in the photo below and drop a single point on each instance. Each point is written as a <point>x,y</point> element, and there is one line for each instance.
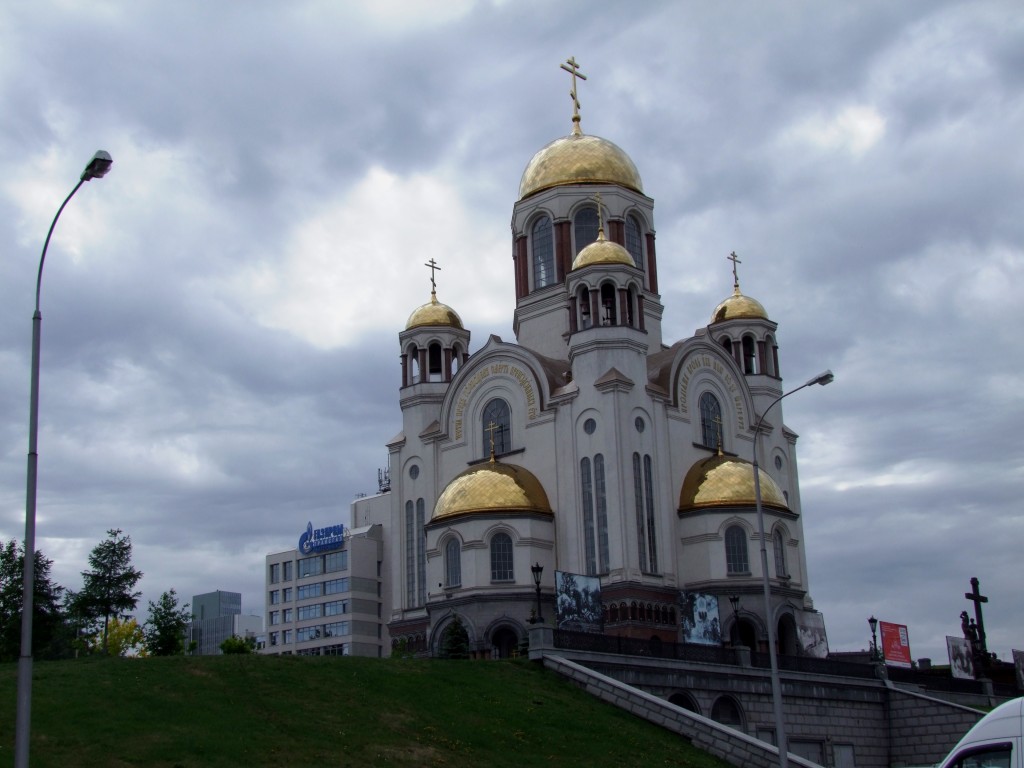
<point>591,445</point>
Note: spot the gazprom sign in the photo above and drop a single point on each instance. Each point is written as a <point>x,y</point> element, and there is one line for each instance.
<point>321,539</point>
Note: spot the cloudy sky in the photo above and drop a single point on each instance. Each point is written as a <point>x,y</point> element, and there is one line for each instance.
<point>220,313</point>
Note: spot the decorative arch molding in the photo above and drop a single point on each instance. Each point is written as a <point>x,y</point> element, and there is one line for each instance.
<point>699,362</point>
<point>497,363</point>
<point>437,631</point>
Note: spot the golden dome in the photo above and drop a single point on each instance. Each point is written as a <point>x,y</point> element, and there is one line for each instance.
<point>492,487</point>
<point>579,159</point>
<point>602,251</point>
<point>738,307</point>
<point>726,481</point>
<point>434,313</point>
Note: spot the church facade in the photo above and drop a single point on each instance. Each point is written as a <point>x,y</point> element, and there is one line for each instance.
<point>590,445</point>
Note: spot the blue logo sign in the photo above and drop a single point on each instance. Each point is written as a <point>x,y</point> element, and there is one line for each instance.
<point>321,539</point>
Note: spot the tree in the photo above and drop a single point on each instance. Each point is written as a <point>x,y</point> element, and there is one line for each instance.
<point>455,641</point>
<point>122,637</point>
<point>165,628</point>
<point>236,644</point>
<point>107,589</point>
<point>46,597</point>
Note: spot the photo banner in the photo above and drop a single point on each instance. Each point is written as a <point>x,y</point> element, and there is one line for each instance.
<point>961,658</point>
<point>698,614</point>
<point>895,644</point>
<point>578,602</point>
<point>810,630</point>
<point>1018,663</point>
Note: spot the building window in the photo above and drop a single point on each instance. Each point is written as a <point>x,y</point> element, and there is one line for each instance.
<point>305,634</point>
<point>652,536</point>
<point>736,550</point>
<point>311,566</point>
<point>307,591</point>
<point>749,355</point>
<point>288,570</point>
<point>314,611</point>
<point>501,558</point>
<point>274,597</point>
<point>410,555</point>
<point>453,563</point>
<point>336,608</point>
<point>710,421</point>
<point>275,573</point>
<point>338,629</point>
<point>337,586</point>
<point>287,615</point>
<point>641,527</point>
<point>274,637</point>
<point>497,413</point>
<point>587,492</point>
<point>601,505</point>
<point>543,253</point>
<point>585,227</point>
<point>286,636</point>
<point>780,553</point>
<point>286,594</point>
<point>634,241</point>
<point>336,561</point>
<point>421,554</point>
<point>275,618</point>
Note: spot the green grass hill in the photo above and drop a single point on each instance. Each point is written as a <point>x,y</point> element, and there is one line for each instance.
<point>320,711</point>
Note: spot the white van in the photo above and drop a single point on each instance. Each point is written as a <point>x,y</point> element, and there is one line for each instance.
<point>994,742</point>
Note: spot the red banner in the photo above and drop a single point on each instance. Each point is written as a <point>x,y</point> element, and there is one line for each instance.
<point>895,644</point>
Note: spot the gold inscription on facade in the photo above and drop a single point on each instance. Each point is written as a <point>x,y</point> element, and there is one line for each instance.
<point>696,364</point>
<point>523,379</point>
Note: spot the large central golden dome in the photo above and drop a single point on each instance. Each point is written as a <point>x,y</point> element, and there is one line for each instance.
<point>579,159</point>
<point>492,487</point>
<point>726,481</point>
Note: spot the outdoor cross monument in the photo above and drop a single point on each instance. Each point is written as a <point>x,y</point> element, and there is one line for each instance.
<point>975,596</point>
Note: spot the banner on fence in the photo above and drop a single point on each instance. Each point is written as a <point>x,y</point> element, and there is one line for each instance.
<point>961,658</point>
<point>895,644</point>
<point>698,614</point>
<point>810,630</point>
<point>578,602</point>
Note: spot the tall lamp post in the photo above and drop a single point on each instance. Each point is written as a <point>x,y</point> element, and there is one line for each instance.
<point>873,623</point>
<point>538,570</point>
<point>96,169</point>
<point>780,729</point>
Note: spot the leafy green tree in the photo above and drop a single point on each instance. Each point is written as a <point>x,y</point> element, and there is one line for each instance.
<point>165,628</point>
<point>122,637</point>
<point>46,598</point>
<point>455,641</point>
<point>236,644</point>
<point>108,588</point>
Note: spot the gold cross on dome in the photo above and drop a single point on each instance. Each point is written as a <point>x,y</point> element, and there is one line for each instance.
<point>718,423</point>
<point>573,69</point>
<point>492,428</point>
<point>432,265</point>
<point>735,275</point>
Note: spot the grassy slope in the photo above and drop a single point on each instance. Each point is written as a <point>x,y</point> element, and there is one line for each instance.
<point>289,711</point>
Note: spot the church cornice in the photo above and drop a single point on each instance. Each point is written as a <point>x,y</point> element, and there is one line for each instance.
<point>614,380</point>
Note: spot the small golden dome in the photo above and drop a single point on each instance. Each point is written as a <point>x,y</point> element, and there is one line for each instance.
<point>739,307</point>
<point>492,487</point>
<point>726,481</point>
<point>579,159</point>
<point>602,251</point>
<point>434,313</point>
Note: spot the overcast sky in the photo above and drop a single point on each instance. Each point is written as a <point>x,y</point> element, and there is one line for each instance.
<point>221,312</point>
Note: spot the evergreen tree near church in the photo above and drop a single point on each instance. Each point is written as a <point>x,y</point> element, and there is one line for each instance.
<point>455,641</point>
<point>46,612</point>
<point>108,588</point>
<point>165,629</point>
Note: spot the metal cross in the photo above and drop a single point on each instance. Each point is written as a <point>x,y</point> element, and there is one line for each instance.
<point>573,68</point>
<point>735,275</point>
<point>433,267</point>
<point>491,428</point>
<point>977,598</point>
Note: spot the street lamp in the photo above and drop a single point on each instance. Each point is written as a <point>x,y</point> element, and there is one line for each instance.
<point>873,622</point>
<point>780,729</point>
<point>538,570</point>
<point>96,169</point>
<point>734,601</point>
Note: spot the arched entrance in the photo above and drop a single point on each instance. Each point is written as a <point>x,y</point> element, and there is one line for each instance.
<point>789,644</point>
<point>744,632</point>
<point>684,700</point>
<point>505,642</point>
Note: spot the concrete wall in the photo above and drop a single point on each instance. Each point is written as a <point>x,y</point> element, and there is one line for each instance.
<point>924,729</point>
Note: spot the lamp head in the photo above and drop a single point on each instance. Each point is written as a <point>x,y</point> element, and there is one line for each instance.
<point>537,570</point>
<point>98,166</point>
<point>735,600</point>
<point>823,378</point>
<point>874,624</point>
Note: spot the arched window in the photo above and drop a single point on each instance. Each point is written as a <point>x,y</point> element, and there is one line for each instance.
<point>456,358</point>
<point>710,421</point>
<point>585,227</point>
<point>749,355</point>
<point>497,412</point>
<point>589,538</point>
<point>641,522</point>
<point>583,302</point>
<point>601,504</point>
<point>414,364</point>
<point>421,553</point>
<point>780,553</point>
<point>435,372</point>
<point>501,557</point>
<point>736,550</point>
<point>543,253</point>
<point>652,534</point>
<point>634,241</point>
<point>727,711</point>
<point>410,555</point>
<point>609,316</point>
<point>453,563</point>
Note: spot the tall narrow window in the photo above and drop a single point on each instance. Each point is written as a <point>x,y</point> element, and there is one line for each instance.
<point>749,355</point>
<point>652,537</point>
<point>585,227</point>
<point>421,554</point>
<point>601,499</point>
<point>780,553</point>
<point>501,558</point>
<point>634,241</point>
<point>543,253</point>
<point>736,550</point>
<point>453,563</point>
<point>638,493</point>
<point>609,315</point>
<point>497,412</point>
<point>410,555</point>
<point>435,371</point>
<point>587,492</point>
<point>710,421</point>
